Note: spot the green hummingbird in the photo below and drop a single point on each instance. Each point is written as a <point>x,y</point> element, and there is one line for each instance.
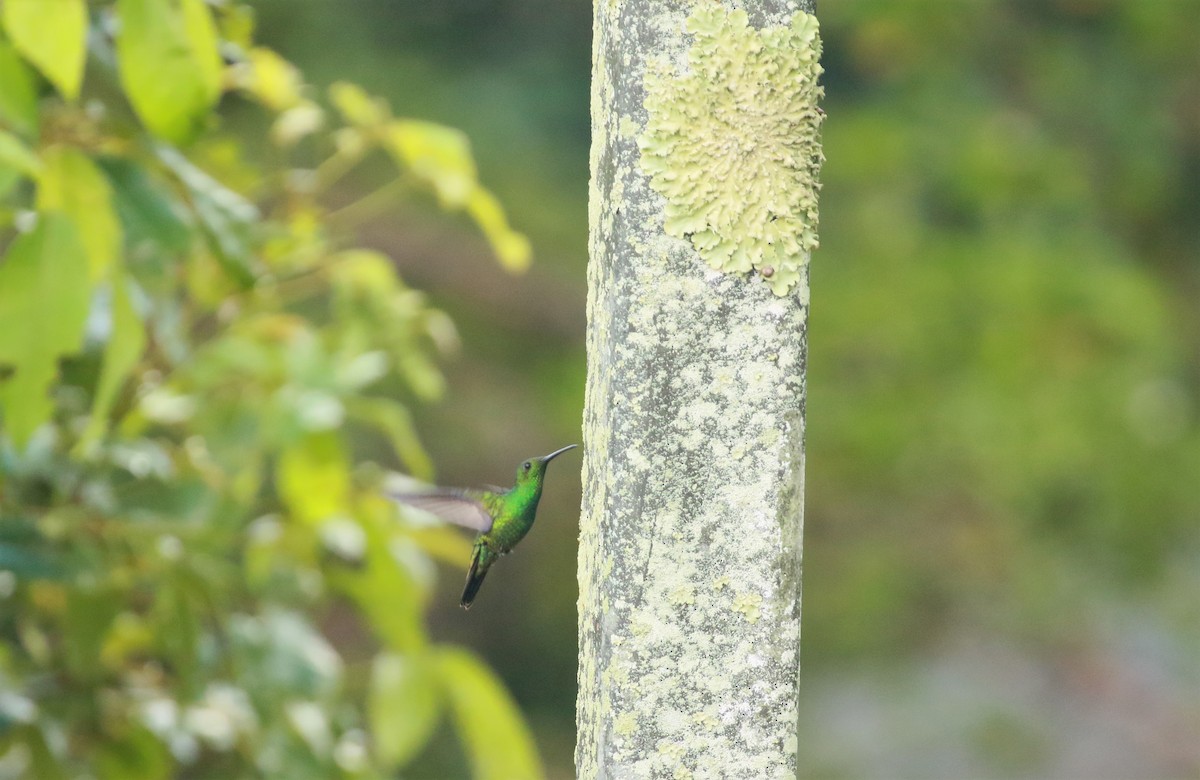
<point>502,517</point>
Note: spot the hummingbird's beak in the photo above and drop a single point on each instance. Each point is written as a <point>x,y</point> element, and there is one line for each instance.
<point>556,453</point>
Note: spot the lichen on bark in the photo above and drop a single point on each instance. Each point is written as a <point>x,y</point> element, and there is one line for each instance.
<point>732,141</point>
<point>690,534</point>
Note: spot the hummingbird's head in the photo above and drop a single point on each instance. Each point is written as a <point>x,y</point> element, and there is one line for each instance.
<point>534,469</point>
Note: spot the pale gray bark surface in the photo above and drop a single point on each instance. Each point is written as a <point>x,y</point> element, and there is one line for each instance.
<point>690,546</point>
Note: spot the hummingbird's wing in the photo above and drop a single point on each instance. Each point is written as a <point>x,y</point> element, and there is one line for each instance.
<point>453,506</point>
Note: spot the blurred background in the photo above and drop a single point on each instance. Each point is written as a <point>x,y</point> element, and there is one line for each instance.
<point>1002,563</point>
<point>1002,560</point>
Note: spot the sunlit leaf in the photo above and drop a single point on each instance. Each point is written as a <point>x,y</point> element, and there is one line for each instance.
<point>511,248</point>
<point>237,25</point>
<point>297,122</point>
<point>490,726</point>
<point>128,637</point>
<point>18,98</point>
<point>404,704</point>
<point>313,478</point>
<point>360,371</point>
<point>439,155</point>
<point>389,599</point>
<point>202,39</point>
<point>8,182</point>
<point>363,271</point>
<point>124,349</point>
<point>71,183</point>
<point>356,106</point>
<point>270,78</point>
<point>166,60</point>
<point>51,34</point>
<point>421,373</point>
<point>394,421</point>
<point>389,596</point>
<point>44,295</point>
<point>15,155</point>
<point>445,544</point>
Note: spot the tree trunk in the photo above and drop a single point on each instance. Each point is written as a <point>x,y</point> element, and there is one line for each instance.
<point>703,210</point>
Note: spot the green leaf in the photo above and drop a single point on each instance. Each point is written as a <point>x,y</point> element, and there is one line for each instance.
<point>44,294</point>
<point>71,183</point>
<point>439,155</point>
<point>166,62</point>
<point>89,614</point>
<point>498,743</point>
<point>388,597</point>
<point>151,216</point>
<point>297,122</point>
<point>512,248</point>
<point>442,543</point>
<point>273,80</point>
<point>237,25</point>
<point>51,34</point>
<point>227,217</point>
<point>421,373</point>
<point>202,38</point>
<point>14,154</point>
<point>28,562</point>
<point>18,98</point>
<point>390,600</point>
<point>136,755</point>
<point>123,351</point>
<point>42,762</point>
<point>363,271</point>
<point>384,589</point>
<point>356,106</point>
<point>8,181</point>
<point>154,500</point>
<point>313,478</point>
<point>178,626</point>
<point>396,423</point>
<point>404,704</point>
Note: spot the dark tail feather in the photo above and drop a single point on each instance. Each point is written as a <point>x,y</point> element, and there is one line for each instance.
<point>474,577</point>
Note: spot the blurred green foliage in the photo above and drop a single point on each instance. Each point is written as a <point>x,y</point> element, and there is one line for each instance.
<point>1003,375</point>
<point>1003,431</point>
<point>199,574</point>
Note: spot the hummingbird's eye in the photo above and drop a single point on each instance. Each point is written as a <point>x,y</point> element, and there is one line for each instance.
<point>527,465</point>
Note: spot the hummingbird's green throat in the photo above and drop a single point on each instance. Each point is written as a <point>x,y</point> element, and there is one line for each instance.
<point>502,517</point>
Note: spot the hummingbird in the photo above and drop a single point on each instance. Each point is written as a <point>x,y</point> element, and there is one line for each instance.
<point>502,517</point>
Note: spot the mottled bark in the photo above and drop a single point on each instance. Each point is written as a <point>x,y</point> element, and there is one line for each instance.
<point>690,545</point>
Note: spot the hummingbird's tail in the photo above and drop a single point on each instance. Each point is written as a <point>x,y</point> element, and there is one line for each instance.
<point>480,563</point>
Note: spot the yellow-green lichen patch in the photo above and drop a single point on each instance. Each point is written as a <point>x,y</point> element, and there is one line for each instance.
<point>626,724</point>
<point>733,143</point>
<point>749,604</point>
